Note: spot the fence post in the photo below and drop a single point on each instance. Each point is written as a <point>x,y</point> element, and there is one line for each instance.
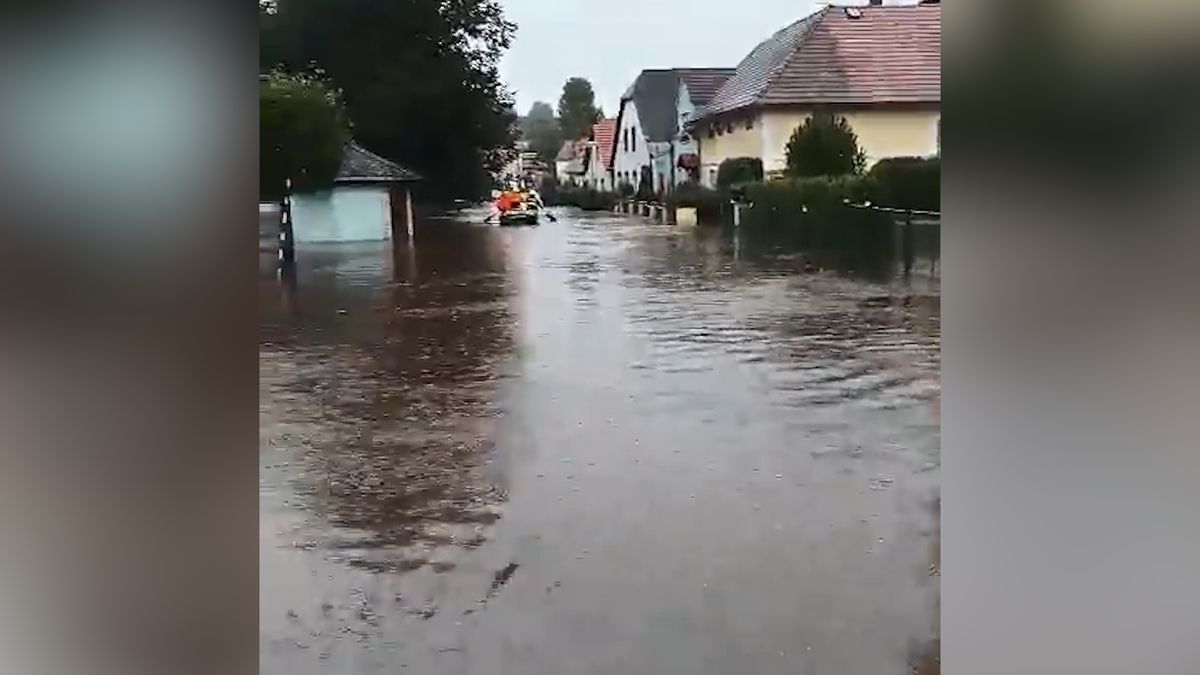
<point>287,234</point>
<point>907,244</point>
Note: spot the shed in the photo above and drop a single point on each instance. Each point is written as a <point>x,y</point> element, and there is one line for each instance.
<point>370,197</point>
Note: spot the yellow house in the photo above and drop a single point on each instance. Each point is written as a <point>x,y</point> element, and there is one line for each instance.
<point>879,67</point>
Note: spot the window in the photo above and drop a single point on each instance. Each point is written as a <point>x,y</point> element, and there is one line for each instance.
<point>625,139</point>
<point>711,133</point>
<point>633,138</point>
<point>749,123</point>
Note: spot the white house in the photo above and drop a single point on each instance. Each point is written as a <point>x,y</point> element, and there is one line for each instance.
<point>570,164</point>
<point>598,160</point>
<point>650,145</point>
<point>366,193</point>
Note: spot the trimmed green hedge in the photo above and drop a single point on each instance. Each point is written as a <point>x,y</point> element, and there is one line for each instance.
<point>810,214</point>
<point>737,170</point>
<point>711,205</point>
<point>908,183</point>
<point>587,199</point>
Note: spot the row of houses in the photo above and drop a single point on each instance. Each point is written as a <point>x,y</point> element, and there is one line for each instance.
<point>877,66</point>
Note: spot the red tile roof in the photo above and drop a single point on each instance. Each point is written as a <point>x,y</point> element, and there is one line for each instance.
<point>864,55</point>
<point>604,133</point>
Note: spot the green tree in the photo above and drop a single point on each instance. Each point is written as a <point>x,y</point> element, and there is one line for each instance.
<point>420,79</point>
<point>577,110</point>
<point>825,145</point>
<point>302,132</point>
<point>541,129</point>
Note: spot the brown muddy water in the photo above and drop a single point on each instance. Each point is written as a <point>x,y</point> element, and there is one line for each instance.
<point>597,446</point>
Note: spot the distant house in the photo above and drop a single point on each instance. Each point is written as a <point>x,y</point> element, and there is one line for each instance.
<point>651,142</point>
<point>599,156</point>
<point>370,197</point>
<point>525,164</point>
<point>877,66</point>
<point>569,164</point>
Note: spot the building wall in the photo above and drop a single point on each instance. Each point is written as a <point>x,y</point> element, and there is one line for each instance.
<point>628,162</point>
<point>691,146</point>
<point>881,133</point>
<point>346,213</point>
<point>738,142</point>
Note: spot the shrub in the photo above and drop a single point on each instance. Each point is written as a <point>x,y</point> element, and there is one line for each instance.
<point>549,189</point>
<point>908,183</point>
<point>625,189</point>
<point>709,204</point>
<point>810,214</point>
<point>825,145</point>
<point>588,199</point>
<point>302,133</point>
<point>645,188</point>
<point>739,170</point>
<point>791,197</point>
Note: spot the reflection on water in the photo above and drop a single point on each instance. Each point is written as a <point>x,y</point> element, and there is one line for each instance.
<point>516,450</point>
<point>381,375</point>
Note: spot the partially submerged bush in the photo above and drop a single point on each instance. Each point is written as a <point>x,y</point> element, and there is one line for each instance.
<point>710,204</point>
<point>588,199</point>
<point>908,183</point>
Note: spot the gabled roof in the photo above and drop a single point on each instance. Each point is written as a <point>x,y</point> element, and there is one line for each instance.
<point>566,153</point>
<point>604,133</point>
<point>703,83</point>
<point>360,165</point>
<point>863,55</point>
<point>655,93</point>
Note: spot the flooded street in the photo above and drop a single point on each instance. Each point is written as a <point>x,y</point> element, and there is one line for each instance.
<point>598,446</point>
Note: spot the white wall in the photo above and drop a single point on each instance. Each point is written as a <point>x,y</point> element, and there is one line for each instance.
<point>629,162</point>
<point>685,111</point>
<point>347,213</point>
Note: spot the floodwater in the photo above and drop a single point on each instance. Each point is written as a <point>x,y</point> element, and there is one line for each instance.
<point>598,446</point>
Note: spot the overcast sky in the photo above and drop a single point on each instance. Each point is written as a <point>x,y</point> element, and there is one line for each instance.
<point>610,41</point>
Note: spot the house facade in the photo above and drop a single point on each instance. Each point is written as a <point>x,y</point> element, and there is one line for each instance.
<point>877,66</point>
<point>369,200</point>
<point>598,173</point>
<point>697,86</point>
<point>652,145</point>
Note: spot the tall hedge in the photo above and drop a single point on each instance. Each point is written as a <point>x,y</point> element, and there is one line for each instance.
<point>908,183</point>
<point>811,214</point>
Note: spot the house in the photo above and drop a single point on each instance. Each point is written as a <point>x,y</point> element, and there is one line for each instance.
<point>651,141</point>
<point>525,164</point>
<point>645,128</point>
<point>569,164</point>
<point>599,156</point>
<point>697,87</point>
<point>877,66</point>
<point>369,198</point>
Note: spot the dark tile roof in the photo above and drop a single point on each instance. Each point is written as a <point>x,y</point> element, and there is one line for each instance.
<point>703,83</point>
<point>360,165</point>
<point>655,93</point>
<point>876,54</point>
